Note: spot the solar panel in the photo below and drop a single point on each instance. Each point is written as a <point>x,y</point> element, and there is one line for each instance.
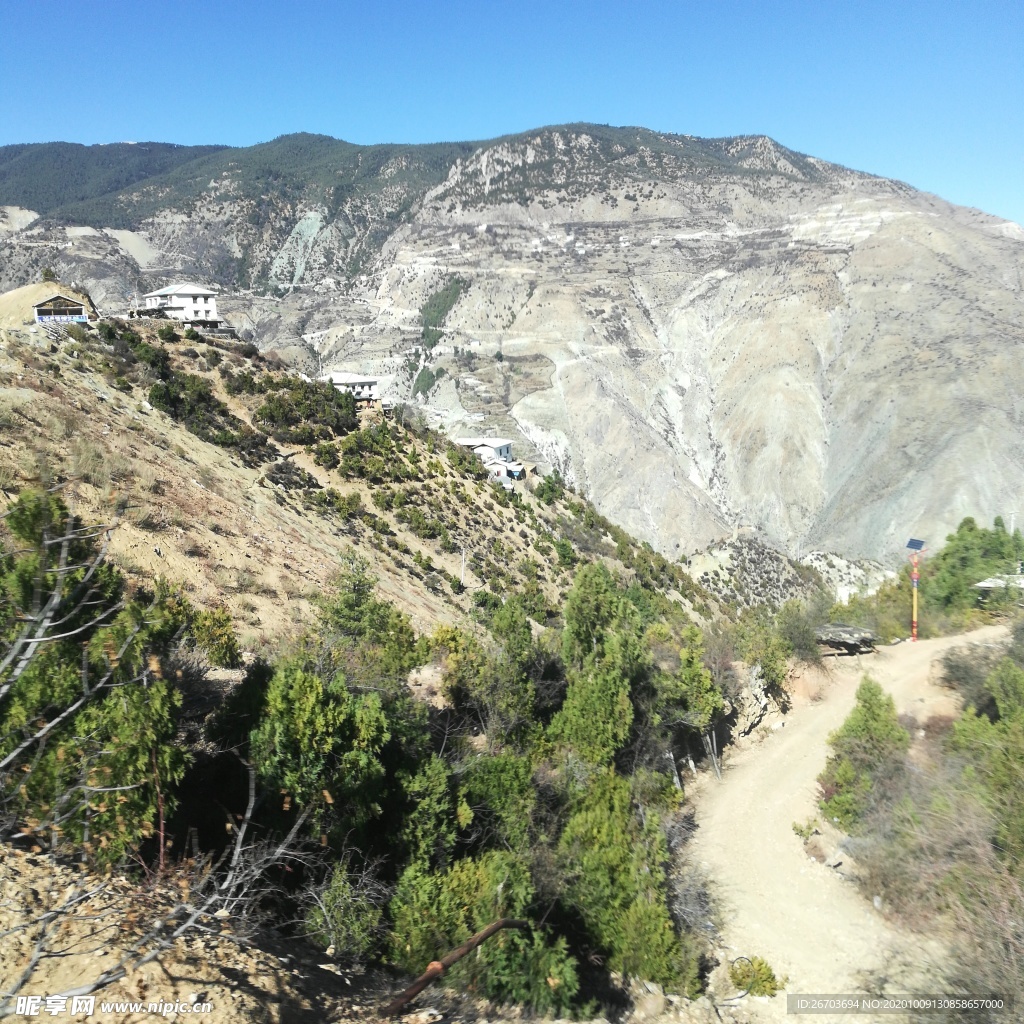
<point>915,545</point>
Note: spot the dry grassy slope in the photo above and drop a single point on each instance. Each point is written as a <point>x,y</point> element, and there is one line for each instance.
<point>221,530</point>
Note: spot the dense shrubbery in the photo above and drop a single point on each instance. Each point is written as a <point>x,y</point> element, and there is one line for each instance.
<point>189,399</point>
<point>303,412</point>
<point>547,822</point>
<point>425,380</point>
<point>551,488</point>
<point>942,831</point>
<point>436,308</point>
<point>374,454</point>
<point>89,698</point>
<point>462,460</point>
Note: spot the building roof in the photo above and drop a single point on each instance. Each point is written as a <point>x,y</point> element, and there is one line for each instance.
<point>1001,582</point>
<point>483,442</point>
<point>180,289</point>
<point>344,377</point>
<point>59,295</point>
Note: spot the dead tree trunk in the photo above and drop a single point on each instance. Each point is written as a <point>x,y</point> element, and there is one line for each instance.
<point>438,967</point>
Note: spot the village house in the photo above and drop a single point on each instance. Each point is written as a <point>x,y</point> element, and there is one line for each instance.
<point>496,455</point>
<point>190,303</point>
<point>361,386</point>
<point>60,309</point>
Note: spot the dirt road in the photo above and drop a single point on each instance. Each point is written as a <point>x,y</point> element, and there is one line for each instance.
<point>801,916</point>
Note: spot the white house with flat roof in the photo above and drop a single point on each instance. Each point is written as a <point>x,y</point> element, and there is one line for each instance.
<point>191,303</point>
<point>493,447</point>
<point>496,455</point>
<point>361,386</point>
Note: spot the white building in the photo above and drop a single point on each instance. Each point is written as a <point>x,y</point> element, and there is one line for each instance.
<point>191,303</point>
<point>496,455</point>
<point>493,447</point>
<point>359,385</point>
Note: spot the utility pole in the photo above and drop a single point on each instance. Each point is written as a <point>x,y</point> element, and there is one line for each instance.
<point>917,549</point>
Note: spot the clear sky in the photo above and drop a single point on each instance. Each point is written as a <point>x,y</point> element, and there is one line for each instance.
<point>931,93</point>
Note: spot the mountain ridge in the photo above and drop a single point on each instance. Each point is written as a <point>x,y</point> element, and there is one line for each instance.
<point>703,335</point>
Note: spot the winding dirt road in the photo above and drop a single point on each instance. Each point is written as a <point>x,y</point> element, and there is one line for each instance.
<point>801,916</point>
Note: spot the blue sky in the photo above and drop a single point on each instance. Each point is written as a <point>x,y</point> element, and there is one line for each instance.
<point>928,92</point>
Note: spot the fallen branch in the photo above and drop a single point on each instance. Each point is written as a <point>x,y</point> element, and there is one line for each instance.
<point>438,967</point>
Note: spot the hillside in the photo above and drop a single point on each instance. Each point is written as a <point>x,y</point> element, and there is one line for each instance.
<point>51,176</point>
<point>455,725</point>
<point>313,755</point>
<point>704,336</point>
<point>262,530</point>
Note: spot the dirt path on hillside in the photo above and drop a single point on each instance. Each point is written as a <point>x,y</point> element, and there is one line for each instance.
<point>801,916</point>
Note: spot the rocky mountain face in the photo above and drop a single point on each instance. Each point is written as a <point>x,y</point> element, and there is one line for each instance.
<point>702,335</point>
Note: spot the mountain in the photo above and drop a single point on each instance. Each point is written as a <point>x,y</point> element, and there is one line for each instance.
<point>709,337</point>
<point>53,177</point>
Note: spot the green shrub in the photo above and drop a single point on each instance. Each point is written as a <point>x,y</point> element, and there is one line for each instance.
<point>326,455</point>
<point>754,976</point>
<point>351,615</point>
<point>214,633</point>
<point>995,747</point>
<point>167,333</point>
<point>797,622</point>
<point>244,383</point>
<point>498,789</point>
<point>436,308</point>
<point>760,642</point>
<point>425,380</point>
<point>89,705</point>
<point>303,412</point>
<point>189,399</point>
<point>615,866</point>
<point>348,914</point>
<point>319,736</point>
<point>606,658</point>
<point>869,745</point>
<point>551,488</point>
<point>566,555</point>
<point>157,358</point>
<point>433,913</point>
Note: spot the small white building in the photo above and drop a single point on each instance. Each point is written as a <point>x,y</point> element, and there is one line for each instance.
<point>488,447</point>
<point>496,455</point>
<point>191,303</point>
<point>362,387</point>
